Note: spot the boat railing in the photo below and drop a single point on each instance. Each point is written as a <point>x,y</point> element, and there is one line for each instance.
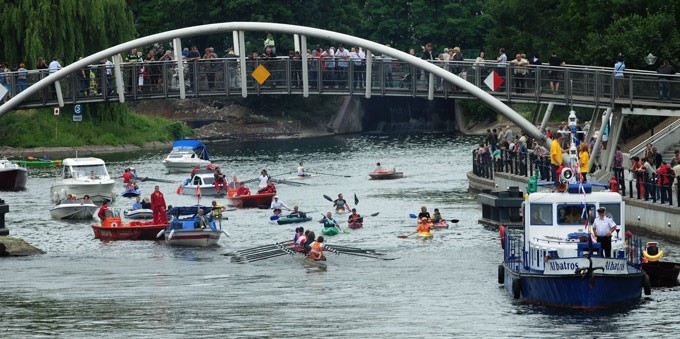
<point>514,243</point>
<point>634,251</point>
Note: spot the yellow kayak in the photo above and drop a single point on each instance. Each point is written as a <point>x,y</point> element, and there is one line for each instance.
<point>424,235</point>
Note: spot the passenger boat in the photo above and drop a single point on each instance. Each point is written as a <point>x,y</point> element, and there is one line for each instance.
<point>186,232</point>
<point>385,175</point>
<point>355,225</point>
<point>554,260</point>
<point>292,220</point>
<point>12,176</point>
<point>140,214</point>
<point>251,201</point>
<point>38,163</point>
<point>661,273</point>
<point>330,231</point>
<point>440,225</point>
<point>185,155</point>
<point>113,228</point>
<point>74,209</point>
<point>131,193</point>
<point>205,179</point>
<point>81,176</point>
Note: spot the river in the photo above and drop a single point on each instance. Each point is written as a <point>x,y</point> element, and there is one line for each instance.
<point>446,287</point>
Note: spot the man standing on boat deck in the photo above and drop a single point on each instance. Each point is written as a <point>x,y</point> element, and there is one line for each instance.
<point>556,152</point>
<point>158,207</point>
<point>604,227</point>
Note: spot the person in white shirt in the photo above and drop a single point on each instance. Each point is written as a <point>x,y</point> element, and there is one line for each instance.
<point>278,205</point>
<point>54,66</point>
<point>264,177</point>
<point>301,170</point>
<point>342,55</point>
<point>604,227</point>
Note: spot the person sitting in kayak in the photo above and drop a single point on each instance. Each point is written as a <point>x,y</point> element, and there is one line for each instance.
<point>137,205</point>
<point>340,203</point>
<point>126,176</point>
<point>355,217</point>
<point>146,204</point>
<point>202,221</point>
<point>328,221</point>
<point>296,213</point>
<point>424,213</point>
<point>278,205</point>
<point>424,226</point>
<point>378,168</point>
<point>134,176</point>
<point>316,250</point>
<point>270,188</point>
<point>220,180</point>
<point>436,216</point>
<point>103,211</point>
<point>264,179</point>
<point>301,170</point>
<point>242,190</point>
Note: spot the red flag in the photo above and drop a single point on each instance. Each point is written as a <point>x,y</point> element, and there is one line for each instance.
<point>198,191</point>
<point>179,189</point>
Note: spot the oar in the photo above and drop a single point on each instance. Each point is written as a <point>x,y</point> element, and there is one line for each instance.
<point>368,256</point>
<point>455,221</point>
<point>157,180</point>
<point>258,248</point>
<point>406,236</point>
<point>345,250</point>
<point>258,255</point>
<point>356,200</point>
<point>268,257</point>
<point>327,198</point>
<point>333,175</point>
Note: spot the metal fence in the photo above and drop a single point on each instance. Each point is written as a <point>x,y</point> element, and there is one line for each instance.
<point>585,86</point>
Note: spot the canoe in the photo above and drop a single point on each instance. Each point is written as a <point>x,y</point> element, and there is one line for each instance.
<point>293,220</point>
<point>355,225</point>
<point>440,225</point>
<point>661,273</point>
<point>251,201</point>
<point>385,175</point>
<point>298,177</point>
<point>424,235</point>
<point>340,211</point>
<point>38,163</point>
<point>330,231</point>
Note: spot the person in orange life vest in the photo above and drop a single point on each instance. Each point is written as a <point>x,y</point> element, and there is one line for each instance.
<point>103,210</point>
<point>158,207</point>
<point>424,226</point>
<point>242,190</point>
<point>270,188</point>
<point>355,217</point>
<point>316,250</point>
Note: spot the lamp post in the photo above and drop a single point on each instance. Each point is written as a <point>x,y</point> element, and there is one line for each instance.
<point>650,59</point>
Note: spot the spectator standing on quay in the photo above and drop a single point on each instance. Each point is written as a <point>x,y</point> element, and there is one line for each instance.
<point>502,61</point>
<point>21,77</point>
<point>343,64</point>
<point>554,74</point>
<point>192,59</point>
<point>664,85</point>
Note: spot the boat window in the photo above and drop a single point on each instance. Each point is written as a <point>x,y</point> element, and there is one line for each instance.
<point>570,214</point>
<point>178,154</point>
<point>613,211</point>
<point>541,214</point>
<point>67,173</point>
<point>89,171</point>
<point>208,181</point>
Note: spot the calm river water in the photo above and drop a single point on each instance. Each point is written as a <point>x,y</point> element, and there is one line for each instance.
<point>83,288</point>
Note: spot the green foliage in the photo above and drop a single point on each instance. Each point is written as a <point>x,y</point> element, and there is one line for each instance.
<point>115,126</point>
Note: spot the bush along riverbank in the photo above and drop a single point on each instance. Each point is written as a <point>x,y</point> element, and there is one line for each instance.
<point>112,124</point>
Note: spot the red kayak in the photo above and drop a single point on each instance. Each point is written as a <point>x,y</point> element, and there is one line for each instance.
<point>385,175</point>
<point>252,201</point>
<point>355,224</point>
<point>440,225</point>
<point>114,229</point>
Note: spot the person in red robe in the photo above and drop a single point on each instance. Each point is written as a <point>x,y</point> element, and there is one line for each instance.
<point>158,207</point>
<point>242,190</point>
<point>270,188</point>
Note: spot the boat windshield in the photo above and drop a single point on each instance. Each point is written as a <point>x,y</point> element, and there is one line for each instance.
<point>208,180</point>
<point>541,214</point>
<point>176,154</point>
<point>86,171</point>
<point>570,214</point>
<point>613,211</point>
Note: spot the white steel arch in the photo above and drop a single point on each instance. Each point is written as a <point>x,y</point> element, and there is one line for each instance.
<point>303,31</point>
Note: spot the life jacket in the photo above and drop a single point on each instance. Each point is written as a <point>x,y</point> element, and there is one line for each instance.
<point>301,240</point>
<point>315,253</point>
<point>424,227</point>
<point>328,222</point>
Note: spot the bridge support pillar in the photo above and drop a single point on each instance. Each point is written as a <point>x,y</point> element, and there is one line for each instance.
<point>546,117</point>
<point>430,87</point>
<point>60,96</point>
<point>177,47</point>
<point>614,135</point>
<point>305,66</point>
<point>296,43</point>
<point>369,73</point>
<point>598,142</point>
<point>120,88</point>
<point>237,47</point>
<point>242,57</point>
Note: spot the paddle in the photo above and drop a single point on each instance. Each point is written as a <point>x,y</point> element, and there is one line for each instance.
<point>356,200</point>
<point>367,256</point>
<point>258,248</point>
<point>333,175</point>
<point>406,236</point>
<point>327,198</point>
<point>156,180</point>
<point>455,221</point>
<point>281,253</point>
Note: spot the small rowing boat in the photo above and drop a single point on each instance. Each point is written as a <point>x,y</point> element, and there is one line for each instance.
<point>142,213</point>
<point>385,175</point>
<point>38,163</point>
<point>292,220</point>
<point>113,228</point>
<point>300,177</point>
<point>330,231</point>
<point>440,225</point>
<point>251,201</point>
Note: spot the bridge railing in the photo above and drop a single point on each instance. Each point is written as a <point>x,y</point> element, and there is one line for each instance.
<point>590,86</point>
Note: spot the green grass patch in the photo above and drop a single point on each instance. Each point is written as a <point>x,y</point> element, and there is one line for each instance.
<point>110,124</point>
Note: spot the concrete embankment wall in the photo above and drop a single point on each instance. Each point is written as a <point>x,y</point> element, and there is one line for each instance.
<point>654,218</point>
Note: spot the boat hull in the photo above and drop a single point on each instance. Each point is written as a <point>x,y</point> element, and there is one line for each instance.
<point>131,231</point>
<point>97,190</point>
<point>206,191</point>
<point>194,238</point>
<point>139,214</point>
<point>285,221</point>
<point>662,274</point>
<point>440,225</point>
<point>183,166</point>
<point>330,231</point>
<point>13,179</point>
<point>252,201</point>
<point>73,211</point>
<point>573,291</point>
<point>385,175</point>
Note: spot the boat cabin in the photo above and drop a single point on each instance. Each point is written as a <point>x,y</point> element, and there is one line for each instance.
<point>188,149</point>
<point>84,168</point>
<point>555,226</point>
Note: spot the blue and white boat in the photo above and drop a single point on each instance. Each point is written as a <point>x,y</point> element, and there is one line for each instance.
<point>554,260</point>
<point>185,155</point>
<point>131,193</point>
<point>185,228</point>
<point>204,179</point>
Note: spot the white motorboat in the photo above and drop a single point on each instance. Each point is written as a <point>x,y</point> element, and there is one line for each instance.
<point>140,214</point>
<point>185,155</point>
<point>74,209</point>
<point>12,176</point>
<point>187,231</point>
<point>206,181</point>
<point>84,176</point>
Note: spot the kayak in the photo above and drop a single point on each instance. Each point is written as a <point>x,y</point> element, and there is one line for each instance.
<point>385,175</point>
<point>300,177</point>
<point>253,200</point>
<point>131,193</point>
<point>340,211</point>
<point>440,225</point>
<point>355,224</point>
<point>38,163</point>
<point>424,235</point>
<point>330,231</point>
<point>292,220</point>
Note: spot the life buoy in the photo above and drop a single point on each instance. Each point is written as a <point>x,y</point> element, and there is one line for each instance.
<point>652,258</point>
<point>501,274</point>
<point>647,285</point>
<point>501,230</point>
<point>516,288</point>
<point>114,224</point>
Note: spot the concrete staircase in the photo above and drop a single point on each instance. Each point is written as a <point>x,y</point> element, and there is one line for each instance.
<point>670,152</point>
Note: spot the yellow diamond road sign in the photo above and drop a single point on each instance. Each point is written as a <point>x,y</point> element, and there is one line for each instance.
<point>260,74</point>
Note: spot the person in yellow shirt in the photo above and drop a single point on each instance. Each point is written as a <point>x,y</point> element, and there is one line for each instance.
<point>583,159</point>
<point>556,156</point>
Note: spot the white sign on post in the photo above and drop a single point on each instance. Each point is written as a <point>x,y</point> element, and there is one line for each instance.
<point>3,91</point>
<point>56,111</point>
